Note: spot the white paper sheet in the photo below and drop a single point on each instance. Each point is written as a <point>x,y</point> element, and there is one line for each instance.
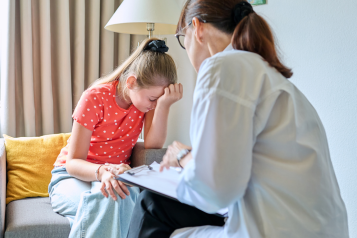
<point>164,182</point>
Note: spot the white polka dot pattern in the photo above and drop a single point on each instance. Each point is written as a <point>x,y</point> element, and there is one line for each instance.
<point>112,127</point>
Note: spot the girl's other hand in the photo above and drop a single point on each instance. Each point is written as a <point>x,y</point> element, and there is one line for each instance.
<point>172,94</point>
<point>117,169</point>
<point>170,158</point>
<point>109,184</point>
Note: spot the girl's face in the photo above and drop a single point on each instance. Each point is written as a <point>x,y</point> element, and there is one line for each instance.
<point>145,99</point>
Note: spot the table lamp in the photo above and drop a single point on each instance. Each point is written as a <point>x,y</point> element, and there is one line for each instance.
<point>145,16</point>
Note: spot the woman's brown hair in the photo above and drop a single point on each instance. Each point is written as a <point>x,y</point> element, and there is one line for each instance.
<point>252,33</point>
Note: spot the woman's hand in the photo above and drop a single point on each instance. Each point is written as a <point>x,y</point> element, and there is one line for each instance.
<point>172,94</point>
<point>109,183</point>
<point>170,158</point>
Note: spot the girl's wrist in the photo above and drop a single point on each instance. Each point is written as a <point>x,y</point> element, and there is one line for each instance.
<point>162,106</point>
<point>101,171</point>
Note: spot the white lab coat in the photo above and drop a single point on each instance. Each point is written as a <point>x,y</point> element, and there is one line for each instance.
<point>260,149</point>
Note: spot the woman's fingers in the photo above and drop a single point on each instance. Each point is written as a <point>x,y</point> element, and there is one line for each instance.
<point>168,160</point>
<point>170,157</point>
<point>181,146</point>
<point>163,165</point>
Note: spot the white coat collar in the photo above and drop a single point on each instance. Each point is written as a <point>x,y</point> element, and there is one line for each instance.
<point>228,48</point>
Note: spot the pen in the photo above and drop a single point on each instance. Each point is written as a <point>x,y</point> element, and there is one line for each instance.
<point>137,169</point>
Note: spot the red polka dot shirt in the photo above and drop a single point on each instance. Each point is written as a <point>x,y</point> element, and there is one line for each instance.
<point>115,130</point>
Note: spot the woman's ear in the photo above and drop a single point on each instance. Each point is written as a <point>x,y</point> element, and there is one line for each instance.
<point>131,82</point>
<point>198,28</point>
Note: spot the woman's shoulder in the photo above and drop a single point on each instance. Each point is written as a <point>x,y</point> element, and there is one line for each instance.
<point>241,74</point>
<point>236,58</point>
<point>232,64</point>
<point>239,64</point>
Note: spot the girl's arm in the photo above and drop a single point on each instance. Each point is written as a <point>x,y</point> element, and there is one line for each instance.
<point>155,128</point>
<point>78,167</point>
<point>76,163</point>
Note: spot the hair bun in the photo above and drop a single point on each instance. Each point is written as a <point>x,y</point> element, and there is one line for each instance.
<point>241,10</point>
<point>157,46</point>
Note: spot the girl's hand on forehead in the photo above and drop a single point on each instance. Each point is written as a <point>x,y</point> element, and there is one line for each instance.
<point>172,94</point>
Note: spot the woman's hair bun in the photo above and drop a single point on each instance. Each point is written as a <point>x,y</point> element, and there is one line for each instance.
<point>157,46</point>
<point>241,10</point>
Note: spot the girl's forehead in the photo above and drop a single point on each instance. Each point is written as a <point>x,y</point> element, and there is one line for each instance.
<point>154,91</point>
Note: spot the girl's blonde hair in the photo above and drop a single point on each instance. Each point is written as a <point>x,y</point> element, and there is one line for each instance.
<point>150,69</point>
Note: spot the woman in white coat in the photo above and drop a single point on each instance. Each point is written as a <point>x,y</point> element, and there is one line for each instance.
<point>258,145</point>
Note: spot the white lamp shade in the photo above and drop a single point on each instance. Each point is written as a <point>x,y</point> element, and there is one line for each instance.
<point>132,17</point>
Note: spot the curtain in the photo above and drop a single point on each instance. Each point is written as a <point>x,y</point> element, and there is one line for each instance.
<point>54,50</point>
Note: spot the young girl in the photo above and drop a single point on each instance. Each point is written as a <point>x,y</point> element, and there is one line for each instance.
<point>108,120</point>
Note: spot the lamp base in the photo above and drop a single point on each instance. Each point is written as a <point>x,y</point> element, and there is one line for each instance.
<point>150,27</point>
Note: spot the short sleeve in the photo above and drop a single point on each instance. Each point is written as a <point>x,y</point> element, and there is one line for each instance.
<point>89,110</point>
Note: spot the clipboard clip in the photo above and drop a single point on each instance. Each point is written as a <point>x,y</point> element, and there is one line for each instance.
<point>135,170</point>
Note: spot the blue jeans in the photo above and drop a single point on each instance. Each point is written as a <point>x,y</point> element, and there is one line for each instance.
<point>90,214</point>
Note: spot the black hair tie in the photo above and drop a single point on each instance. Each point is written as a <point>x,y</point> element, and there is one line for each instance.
<point>241,10</point>
<point>157,46</point>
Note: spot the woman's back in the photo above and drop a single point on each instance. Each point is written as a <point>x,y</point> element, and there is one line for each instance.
<point>272,155</point>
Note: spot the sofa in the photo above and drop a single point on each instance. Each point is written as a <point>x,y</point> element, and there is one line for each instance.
<point>34,217</point>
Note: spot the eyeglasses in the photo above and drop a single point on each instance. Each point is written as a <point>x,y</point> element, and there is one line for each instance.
<point>181,37</point>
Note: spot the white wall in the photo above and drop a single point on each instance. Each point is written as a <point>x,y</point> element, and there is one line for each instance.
<point>319,41</point>
<point>180,112</point>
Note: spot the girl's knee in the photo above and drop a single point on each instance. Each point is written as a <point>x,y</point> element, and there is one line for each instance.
<point>63,205</point>
<point>65,195</point>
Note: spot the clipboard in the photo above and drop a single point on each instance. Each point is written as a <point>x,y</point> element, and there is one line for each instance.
<point>162,183</point>
<point>126,182</point>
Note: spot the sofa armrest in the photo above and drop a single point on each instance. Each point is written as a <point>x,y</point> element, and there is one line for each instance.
<point>141,156</point>
<point>2,186</point>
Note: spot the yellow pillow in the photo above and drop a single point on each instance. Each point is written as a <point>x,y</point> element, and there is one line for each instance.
<point>29,164</point>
